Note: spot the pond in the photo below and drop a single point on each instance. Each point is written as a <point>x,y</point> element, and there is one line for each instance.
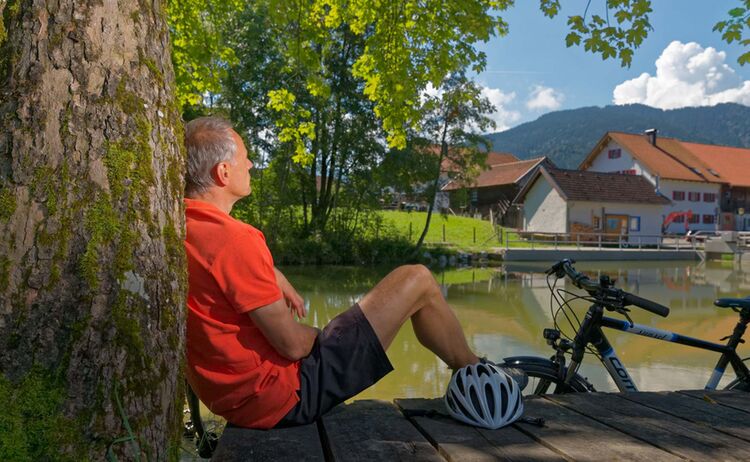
<point>504,310</point>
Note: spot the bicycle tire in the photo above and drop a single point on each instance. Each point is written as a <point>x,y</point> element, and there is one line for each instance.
<point>543,375</point>
<point>205,440</point>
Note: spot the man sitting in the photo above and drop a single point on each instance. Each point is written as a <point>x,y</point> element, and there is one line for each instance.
<point>248,359</point>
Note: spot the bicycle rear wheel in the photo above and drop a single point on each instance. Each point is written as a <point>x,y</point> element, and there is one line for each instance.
<point>544,379</point>
<point>737,385</point>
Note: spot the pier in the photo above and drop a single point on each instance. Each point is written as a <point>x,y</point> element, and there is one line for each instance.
<point>644,426</point>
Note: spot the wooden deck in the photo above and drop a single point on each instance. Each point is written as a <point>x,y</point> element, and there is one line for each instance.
<point>650,427</point>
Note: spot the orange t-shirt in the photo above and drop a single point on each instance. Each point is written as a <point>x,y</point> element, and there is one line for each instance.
<point>233,369</point>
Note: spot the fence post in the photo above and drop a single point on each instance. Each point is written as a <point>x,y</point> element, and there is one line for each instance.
<point>443,232</point>
<point>410,231</point>
<point>658,241</point>
<point>507,239</point>
<point>640,242</point>
<point>555,241</point>
<point>475,235</point>
<point>578,241</point>
<point>600,241</point>
<point>532,241</point>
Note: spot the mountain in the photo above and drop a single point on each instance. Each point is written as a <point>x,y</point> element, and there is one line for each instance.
<point>566,137</point>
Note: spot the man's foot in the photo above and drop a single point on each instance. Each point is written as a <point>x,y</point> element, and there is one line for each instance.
<point>516,374</point>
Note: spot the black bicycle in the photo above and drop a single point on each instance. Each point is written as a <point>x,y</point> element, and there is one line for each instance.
<point>557,375</point>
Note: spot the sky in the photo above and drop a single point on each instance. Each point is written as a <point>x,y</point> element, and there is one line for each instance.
<point>682,63</point>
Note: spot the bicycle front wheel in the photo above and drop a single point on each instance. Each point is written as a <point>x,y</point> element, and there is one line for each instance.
<point>544,379</point>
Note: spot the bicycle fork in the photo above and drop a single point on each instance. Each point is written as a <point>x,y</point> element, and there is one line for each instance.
<point>591,333</point>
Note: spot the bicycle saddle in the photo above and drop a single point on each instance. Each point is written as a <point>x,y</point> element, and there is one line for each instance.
<point>743,303</point>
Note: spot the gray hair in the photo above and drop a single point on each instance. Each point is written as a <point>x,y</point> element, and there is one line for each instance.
<point>208,141</point>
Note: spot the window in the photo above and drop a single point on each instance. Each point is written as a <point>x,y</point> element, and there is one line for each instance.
<point>695,218</point>
<point>709,219</point>
<point>628,172</point>
<point>694,196</point>
<point>709,197</point>
<point>678,195</point>
<point>635,223</point>
<point>614,153</point>
<point>679,219</point>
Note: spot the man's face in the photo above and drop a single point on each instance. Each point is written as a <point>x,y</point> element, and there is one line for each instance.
<point>239,170</point>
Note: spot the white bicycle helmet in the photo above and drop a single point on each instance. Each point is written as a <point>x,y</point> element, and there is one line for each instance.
<point>484,395</point>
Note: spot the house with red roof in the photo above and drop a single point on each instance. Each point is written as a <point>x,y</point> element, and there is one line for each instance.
<point>496,187</point>
<point>450,170</point>
<point>585,203</point>
<point>708,185</point>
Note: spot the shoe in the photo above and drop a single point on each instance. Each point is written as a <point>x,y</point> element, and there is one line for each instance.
<point>518,375</point>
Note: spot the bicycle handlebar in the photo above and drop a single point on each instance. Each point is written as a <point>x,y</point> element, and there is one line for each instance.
<point>647,305</point>
<point>565,268</point>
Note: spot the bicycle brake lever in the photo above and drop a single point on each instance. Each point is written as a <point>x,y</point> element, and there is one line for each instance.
<point>624,312</point>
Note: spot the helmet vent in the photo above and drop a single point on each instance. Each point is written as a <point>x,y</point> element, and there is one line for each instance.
<point>475,402</point>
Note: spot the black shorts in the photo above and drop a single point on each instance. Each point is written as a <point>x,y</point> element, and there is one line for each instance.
<point>346,358</point>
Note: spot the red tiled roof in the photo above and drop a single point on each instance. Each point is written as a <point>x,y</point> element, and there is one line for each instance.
<point>582,185</point>
<point>680,160</point>
<point>731,164</point>
<point>493,158</point>
<point>499,174</point>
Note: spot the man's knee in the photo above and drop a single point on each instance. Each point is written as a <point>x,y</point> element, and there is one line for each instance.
<point>416,275</point>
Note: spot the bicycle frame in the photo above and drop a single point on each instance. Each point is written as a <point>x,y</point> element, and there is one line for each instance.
<point>593,334</point>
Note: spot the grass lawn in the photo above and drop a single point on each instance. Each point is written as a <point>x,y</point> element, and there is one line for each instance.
<point>460,232</point>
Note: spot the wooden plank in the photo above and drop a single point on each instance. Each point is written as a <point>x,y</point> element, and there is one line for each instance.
<point>722,418</point>
<point>673,434</point>
<point>737,399</point>
<point>294,443</point>
<point>371,430</point>
<point>581,438</point>
<point>459,442</point>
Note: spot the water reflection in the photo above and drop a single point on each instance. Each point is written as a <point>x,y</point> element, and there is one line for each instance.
<point>503,312</point>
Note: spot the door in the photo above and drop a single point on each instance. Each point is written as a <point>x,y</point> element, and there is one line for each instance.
<point>616,224</point>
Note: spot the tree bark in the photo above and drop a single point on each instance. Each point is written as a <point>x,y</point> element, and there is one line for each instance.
<point>92,269</point>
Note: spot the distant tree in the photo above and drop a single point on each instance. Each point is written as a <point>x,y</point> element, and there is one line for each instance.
<point>346,142</point>
<point>92,272</point>
<point>454,120</point>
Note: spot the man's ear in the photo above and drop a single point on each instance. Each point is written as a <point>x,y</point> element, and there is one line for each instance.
<point>220,173</point>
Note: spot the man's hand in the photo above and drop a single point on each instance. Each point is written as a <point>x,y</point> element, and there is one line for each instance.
<point>291,297</point>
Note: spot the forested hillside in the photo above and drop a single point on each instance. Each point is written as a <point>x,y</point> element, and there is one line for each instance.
<point>567,136</point>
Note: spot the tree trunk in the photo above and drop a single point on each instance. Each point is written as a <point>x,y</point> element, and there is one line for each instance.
<point>435,183</point>
<point>92,268</point>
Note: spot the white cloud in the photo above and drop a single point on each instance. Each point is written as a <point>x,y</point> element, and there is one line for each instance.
<point>544,98</point>
<point>686,75</point>
<point>503,116</point>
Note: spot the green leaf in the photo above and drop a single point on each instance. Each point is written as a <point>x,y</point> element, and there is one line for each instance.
<point>572,39</point>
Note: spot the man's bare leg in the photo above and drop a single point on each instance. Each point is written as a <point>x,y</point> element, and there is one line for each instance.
<point>412,292</point>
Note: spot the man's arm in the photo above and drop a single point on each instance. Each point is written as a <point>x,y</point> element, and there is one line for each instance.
<point>291,339</point>
<point>293,300</point>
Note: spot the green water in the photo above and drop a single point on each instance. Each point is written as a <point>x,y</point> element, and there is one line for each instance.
<point>504,310</point>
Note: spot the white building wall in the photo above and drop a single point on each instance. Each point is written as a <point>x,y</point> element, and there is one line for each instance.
<point>667,187</point>
<point>544,210</point>
<point>650,217</point>
<point>626,161</point>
